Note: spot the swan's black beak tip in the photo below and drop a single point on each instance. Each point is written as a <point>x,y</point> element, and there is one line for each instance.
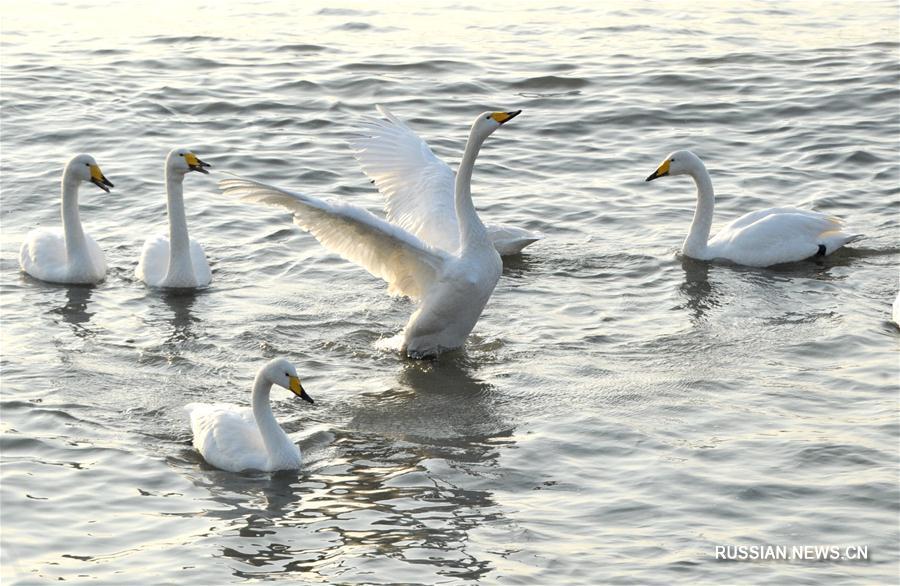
<point>201,166</point>
<point>512,115</point>
<point>103,183</point>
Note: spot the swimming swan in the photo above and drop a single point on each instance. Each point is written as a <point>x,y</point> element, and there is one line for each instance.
<point>67,255</point>
<point>237,438</point>
<point>758,239</point>
<point>419,187</point>
<point>175,259</point>
<point>452,285</point>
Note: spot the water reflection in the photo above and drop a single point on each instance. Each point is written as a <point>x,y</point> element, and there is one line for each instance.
<point>75,312</point>
<point>699,294</point>
<point>180,302</point>
<point>400,490</point>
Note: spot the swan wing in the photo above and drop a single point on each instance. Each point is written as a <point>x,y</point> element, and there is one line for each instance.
<point>200,264</point>
<point>154,261</point>
<point>418,186</point>
<point>510,240</point>
<point>407,264</point>
<point>43,254</point>
<point>227,436</point>
<point>779,235</point>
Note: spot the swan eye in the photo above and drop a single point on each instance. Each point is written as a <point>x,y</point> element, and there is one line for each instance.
<point>180,154</point>
<point>488,117</point>
<point>87,164</point>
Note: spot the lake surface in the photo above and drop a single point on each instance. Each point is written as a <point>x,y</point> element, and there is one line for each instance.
<point>618,411</point>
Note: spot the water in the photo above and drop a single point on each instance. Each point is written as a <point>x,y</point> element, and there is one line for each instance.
<point>618,411</point>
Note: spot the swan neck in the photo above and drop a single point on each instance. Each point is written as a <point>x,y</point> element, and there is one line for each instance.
<point>180,267</point>
<point>76,247</point>
<point>472,232</point>
<point>272,434</point>
<point>698,236</point>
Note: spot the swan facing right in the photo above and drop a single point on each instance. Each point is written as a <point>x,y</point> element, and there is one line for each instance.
<point>451,285</point>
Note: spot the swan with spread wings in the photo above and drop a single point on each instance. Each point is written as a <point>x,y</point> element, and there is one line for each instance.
<point>445,259</point>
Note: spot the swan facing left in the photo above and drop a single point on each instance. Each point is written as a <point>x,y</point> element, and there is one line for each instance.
<point>67,255</point>
<point>236,438</point>
<point>174,259</point>
<point>758,239</point>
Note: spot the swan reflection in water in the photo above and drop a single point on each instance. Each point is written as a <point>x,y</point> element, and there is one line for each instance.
<point>75,311</point>
<point>699,294</point>
<point>391,488</point>
<point>182,321</point>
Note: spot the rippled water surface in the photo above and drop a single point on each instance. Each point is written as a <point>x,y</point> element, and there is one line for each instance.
<point>618,411</point>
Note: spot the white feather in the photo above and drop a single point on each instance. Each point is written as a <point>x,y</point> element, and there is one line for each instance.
<point>408,265</point>
<point>43,256</point>
<point>419,188</point>
<point>154,262</point>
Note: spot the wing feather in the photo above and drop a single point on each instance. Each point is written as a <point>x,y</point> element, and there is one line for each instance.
<point>407,264</point>
<point>418,187</point>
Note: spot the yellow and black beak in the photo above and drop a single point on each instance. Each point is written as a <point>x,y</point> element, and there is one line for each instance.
<point>196,164</point>
<point>502,117</point>
<point>662,171</point>
<point>297,389</point>
<point>98,179</point>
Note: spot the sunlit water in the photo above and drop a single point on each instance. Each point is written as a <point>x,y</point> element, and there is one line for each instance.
<point>618,411</point>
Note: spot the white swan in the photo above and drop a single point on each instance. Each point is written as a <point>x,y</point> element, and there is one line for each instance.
<point>67,255</point>
<point>758,239</point>
<point>451,285</point>
<point>236,438</point>
<point>419,187</point>
<point>175,259</point>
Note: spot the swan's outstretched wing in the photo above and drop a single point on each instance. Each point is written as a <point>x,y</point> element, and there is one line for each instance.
<point>408,265</point>
<point>418,186</point>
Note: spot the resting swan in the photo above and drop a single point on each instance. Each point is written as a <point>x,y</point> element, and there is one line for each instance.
<point>175,259</point>
<point>419,187</point>
<point>68,255</point>
<point>452,285</point>
<point>758,239</point>
<point>236,438</point>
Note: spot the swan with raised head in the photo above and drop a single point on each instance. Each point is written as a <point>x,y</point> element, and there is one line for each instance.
<point>419,187</point>
<point>758,239</point>
<point>67,255</point>
<point>237,438</point>
<point>451,285</point>
<point>174,259</point>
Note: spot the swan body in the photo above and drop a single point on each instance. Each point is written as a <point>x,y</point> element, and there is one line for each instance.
<point>758,239</point>
<point>236,438</point>
<point>174,259</point>
<point>419,187</point>
<point>67,255</point>
<point>452,279</point>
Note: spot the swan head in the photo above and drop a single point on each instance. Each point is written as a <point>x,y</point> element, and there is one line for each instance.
<point>677,163</point>
<point>488,122</point>
<point>184,161</point>
<point>85,168</point>
<point>282,373</point>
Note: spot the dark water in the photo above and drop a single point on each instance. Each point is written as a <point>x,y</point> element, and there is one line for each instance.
<point>618,411</point>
